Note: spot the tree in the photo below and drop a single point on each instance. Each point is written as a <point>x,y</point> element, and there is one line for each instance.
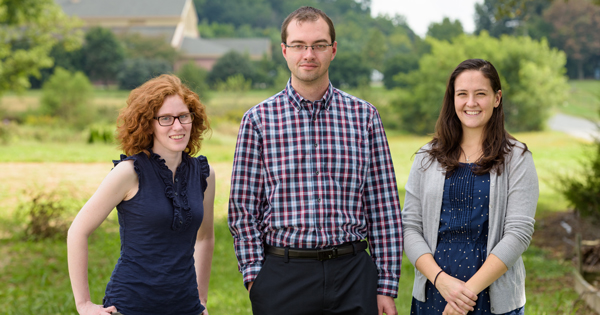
<point>401,63</point>
<point>446,30</point>
<point>28,31</point>
<point>134,72</point>
<point>230,64</point>
<point>349,69</point>
<point>526,20</point>
<point>532,77</point>
<point>103,54</point>
<point>577,31</point>
<point>195,78</point>
<point>138,46</point>
<point>66,96</point>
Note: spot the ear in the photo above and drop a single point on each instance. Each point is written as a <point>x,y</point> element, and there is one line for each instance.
<point>498,97</point>
<point>333,50</point>
<point>284,50</point>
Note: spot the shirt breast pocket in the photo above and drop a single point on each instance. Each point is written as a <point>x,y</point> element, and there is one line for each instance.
<point>347,165</point>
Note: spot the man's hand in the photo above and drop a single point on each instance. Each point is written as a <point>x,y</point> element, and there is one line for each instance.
<point>250,286</point>
<point>386,305</point>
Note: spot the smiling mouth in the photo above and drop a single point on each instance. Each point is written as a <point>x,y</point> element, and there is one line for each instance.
<point>177,137</point>
<point>473,113</point>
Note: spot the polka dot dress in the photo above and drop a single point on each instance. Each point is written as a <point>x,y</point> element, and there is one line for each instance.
<point>462,237</point>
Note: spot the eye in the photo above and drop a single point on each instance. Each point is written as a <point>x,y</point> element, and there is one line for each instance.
<point>165,119</point>
<point>184,116</point>
<point>320,46</point>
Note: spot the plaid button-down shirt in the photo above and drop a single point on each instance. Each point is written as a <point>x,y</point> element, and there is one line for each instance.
<point>311,175</point>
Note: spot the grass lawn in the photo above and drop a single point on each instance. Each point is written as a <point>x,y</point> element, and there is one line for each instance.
<point>34,277</point>
<point>583,100</point>
<point>42,287</point>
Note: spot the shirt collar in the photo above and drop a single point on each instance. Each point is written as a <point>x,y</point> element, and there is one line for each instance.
<point>298,101</point>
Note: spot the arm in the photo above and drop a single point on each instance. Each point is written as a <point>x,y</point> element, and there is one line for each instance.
<point>205,241</point>
<point>384,222</point>
<point>120,184</point>
<point>246,201</point>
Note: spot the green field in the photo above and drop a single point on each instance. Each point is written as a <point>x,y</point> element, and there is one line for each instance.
<point>34,277</point>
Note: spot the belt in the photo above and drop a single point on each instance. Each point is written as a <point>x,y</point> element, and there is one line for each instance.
<point>320,254</point>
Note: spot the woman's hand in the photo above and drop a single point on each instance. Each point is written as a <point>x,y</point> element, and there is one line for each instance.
<point>205,312</point>
<point>460,299</point>
<point>90,308</point>
<point>449,310</point>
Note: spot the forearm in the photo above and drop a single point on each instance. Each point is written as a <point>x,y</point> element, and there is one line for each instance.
<point>428,267</point>
<point>489,272</point>
<point>77,255</point>
<point>203,260</point>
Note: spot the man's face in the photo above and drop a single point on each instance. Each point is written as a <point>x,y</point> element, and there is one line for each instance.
<point>309,66</point>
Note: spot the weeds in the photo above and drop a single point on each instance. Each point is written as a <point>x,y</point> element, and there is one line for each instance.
<point>46,215</point>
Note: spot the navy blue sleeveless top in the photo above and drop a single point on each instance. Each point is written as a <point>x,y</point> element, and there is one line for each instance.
<point>158,226</point>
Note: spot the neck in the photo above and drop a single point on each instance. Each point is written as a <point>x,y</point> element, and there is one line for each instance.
<point>172,159</point>
<point>472,139</point>
<point>311,91</point>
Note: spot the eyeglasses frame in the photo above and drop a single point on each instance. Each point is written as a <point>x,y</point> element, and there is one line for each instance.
<point>175,117</point>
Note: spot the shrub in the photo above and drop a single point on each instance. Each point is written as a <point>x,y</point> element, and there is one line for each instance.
<point>101,134</point>
<point>234,83</point>
<point>230,64</point>
<point>46,215</point>
<point>195,78</point>
<point>583,190</point>
<point>66,96</point>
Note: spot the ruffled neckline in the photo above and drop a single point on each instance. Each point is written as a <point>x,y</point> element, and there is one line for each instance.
<point>182,214</point>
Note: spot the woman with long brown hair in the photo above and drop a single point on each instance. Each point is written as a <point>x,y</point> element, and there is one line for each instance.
<point>165,200</point>
<point>470,204</point>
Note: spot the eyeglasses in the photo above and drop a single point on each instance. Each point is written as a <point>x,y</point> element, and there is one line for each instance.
<point>301,48</point>
<point>170,120</point>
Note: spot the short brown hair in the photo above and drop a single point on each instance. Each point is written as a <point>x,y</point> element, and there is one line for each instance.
<point>134,125</point>
<point>304,14</point>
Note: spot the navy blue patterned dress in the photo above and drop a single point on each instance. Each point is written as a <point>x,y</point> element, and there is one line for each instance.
<point>158,226</point>
<point>462,238</point>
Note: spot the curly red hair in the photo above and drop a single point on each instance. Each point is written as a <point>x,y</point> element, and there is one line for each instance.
<point>134,125</point>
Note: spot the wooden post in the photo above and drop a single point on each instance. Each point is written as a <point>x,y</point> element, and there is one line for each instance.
<point>578,252</point>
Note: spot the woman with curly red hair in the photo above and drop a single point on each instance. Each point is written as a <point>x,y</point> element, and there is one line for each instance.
<point>165,200</point>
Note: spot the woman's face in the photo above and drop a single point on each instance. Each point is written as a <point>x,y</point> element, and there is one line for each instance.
<point>173,138</point>
<point>474,99</point>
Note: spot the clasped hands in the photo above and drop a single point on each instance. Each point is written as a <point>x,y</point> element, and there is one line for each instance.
<point>460,299</point>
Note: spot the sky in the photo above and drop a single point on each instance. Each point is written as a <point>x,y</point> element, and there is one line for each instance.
<point>420,13</point>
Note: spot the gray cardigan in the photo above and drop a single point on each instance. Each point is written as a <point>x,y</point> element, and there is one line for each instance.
<point>513,200</point>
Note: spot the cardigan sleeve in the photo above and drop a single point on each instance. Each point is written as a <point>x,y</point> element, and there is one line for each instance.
<point>412,216</point>
<point>521,202</point>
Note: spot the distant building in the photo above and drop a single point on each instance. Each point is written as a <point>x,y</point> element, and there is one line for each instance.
<point>174,20</point>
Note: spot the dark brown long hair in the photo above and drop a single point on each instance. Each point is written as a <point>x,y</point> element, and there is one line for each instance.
<point>445,145</point>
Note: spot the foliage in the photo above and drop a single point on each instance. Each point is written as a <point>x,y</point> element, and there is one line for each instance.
<point>401,63</point>
<point>71,60</point>
<point>101,134</point>
<point>349,70</point>
<point>446,30</point>
<point>234,83</point>
<point>230,64</point>
<point>46,216</point>
<point>582,189</point>
<point>134,72</point>
<point>576,31</point>
<point>30,28</point>
<point>66,96</point>
<point>139,46</point>
<point>103,54</point>
<point>195,78</point>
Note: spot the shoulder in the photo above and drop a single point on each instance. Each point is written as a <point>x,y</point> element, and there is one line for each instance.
<point>349,99</point>
<point>267,104</point>
<point>518,151</point>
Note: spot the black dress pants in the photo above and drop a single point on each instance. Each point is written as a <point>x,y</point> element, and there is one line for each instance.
<point>344,285</point>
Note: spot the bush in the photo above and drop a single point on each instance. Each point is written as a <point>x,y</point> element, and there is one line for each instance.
<point>101,134</point>
<point>67,96</point>
<point>46,216</point>
<point>135,72</point>
<point>234,83</point>
<point>583,190</point>
<point>195,78</point>
<point>349,70</point>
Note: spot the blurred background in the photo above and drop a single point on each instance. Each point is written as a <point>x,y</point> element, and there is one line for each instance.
<point>67,67</point>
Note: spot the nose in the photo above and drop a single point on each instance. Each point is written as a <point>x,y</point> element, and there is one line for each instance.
<point>177,124</point>
<point>308,53</point>
<point>471,101</point>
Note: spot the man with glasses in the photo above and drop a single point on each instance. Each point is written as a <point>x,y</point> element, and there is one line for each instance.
<point>313,186</point>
